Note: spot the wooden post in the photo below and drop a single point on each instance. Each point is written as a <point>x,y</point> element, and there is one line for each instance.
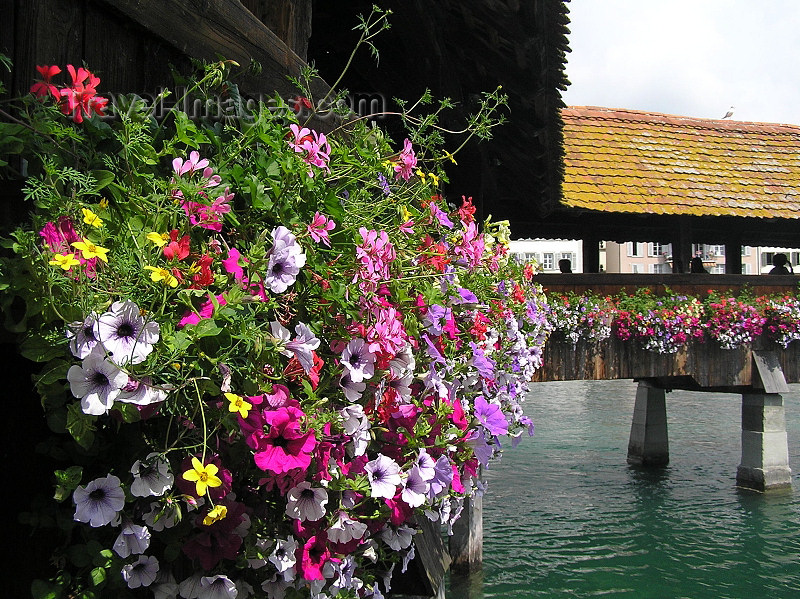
<point>649,443</point>
<point>733,258</point>
<point>591,254</point>
<point>466,543</point>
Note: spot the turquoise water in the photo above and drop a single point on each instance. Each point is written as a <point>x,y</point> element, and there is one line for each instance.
<point>565,516</point>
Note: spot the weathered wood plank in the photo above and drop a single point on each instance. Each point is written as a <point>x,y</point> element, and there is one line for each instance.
<point>223,28</point>
<point>46,32</point>
<point>699,365</point>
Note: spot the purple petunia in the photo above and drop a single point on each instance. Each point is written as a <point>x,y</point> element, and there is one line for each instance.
<point>81,336</point>
<point>97,382</point>
<point>384,476</point>
<point>358,361</point>
<point>99,502</point>
<point>126,334</point>
<point>491,416</point>
<point>141,573</point>
<point>286,258</point>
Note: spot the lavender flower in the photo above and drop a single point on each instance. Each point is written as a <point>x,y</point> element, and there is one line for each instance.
<point>491,416</point>
<point>306,503</point>
<point>97,382</point>
<point>99,502</point>
<point>384,476</point>
<point>415,488</point>
<point>141,392</point>
<point>397,538</point>
<point>345,529</point>
<point>286,258</point>
<point>301,347</point>
<point>141,573</point>
<point>151,477</point>
<point>352,391</point>
<point>132,540</point>
<point>358,361</point>
<point>81,336</point>
<point>217,587</point>
<point>126,334</point>
<point>283,556</point>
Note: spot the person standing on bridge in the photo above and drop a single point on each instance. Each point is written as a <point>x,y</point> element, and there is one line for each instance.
<point>780,265</point>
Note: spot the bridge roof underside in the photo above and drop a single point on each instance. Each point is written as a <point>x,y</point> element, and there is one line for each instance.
<point>628,171</point>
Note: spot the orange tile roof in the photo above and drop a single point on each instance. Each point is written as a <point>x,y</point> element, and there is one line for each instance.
<point>643,162</point>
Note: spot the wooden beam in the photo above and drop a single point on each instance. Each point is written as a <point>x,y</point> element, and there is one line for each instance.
<point>222,28</point>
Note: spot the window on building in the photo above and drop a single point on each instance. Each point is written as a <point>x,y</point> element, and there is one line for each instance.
<point>717,250</point>
<point>660,269</point>
<point>635,267</point>
<point>601,245</point>
<point>746,270</point>
<point>568,256</point>
<point>548,261</point>
<point>635,248</point>
<point>746,250</point>
<point>794,258</point>
<point>698,249</point>
<point>718,269</point>
<point>766,258</point>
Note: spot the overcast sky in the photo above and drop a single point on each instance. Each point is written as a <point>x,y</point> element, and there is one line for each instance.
<point>687,57</point>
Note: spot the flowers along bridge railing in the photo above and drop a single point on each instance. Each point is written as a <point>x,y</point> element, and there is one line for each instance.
<point>706,340</point>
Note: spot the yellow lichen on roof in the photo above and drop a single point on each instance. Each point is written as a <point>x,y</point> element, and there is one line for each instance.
<point>650,163</point>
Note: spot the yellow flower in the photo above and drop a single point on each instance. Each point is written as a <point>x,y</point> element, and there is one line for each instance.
<point>421,175</point>
<point>238,404</point>
<point>90,250</point>
<point>91,219</point>
<point>160,239</point>
<point>103,203</point>
<point>202,476</point>
<point>65,261</point>
<point>450,157</point>
<point>434,179</point>
<point>162,274</point>
<point>218,512</point>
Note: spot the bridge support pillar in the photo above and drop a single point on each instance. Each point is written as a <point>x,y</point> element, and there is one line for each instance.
<point>649,444</point>
<point>765,452</point>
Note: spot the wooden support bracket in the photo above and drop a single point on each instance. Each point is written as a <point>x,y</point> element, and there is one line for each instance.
<point>767,374</point>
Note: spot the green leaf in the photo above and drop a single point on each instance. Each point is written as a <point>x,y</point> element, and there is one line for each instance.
<point>102,178</point>
<point>97,575</point>
<point>67,481</point>
<point>80,426</point>
<point>52,372</point>
<point>43,589</point>
<point>205,328</point>
<point>37,349</point>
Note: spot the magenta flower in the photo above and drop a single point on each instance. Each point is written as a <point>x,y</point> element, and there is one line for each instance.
<point>319,227</point>
<point>440,216</point>
<point>406,163</point>
<point>208,217</point>
<point>315,554</point>
<point>471,246</point>
<point>285,447</point>
<point>374,256</point>
<point>315,146</point>
<point>192,164</point>
<point>387,334</point>
<point>301,347</point>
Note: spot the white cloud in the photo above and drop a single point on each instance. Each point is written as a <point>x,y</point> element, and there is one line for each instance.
<point>691,57</point>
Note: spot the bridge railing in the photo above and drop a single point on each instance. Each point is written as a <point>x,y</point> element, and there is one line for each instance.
<point>686,283</point>
<point>696,366</point>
